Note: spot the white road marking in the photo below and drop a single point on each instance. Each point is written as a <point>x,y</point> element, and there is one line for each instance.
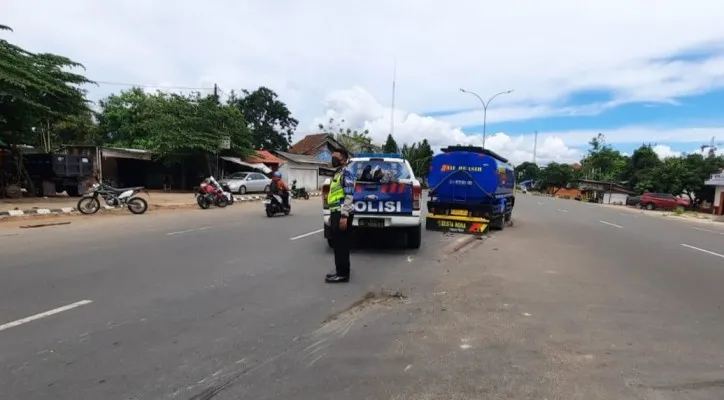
<point>189,230</point>
<point>610,224</point>
<point>307,234</point>
<point>562,210</point>
<point>629,215</point>
<point>526,314</point>
<point>465,346</point>
<point>43,314</point>
<point>703,251</point>
<point>540,204</point>
<point>708,230</point>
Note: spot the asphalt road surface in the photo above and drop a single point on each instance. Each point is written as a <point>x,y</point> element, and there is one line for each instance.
<point>575,301</point>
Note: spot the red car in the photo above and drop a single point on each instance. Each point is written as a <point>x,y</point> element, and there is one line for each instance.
<point>652,201</point>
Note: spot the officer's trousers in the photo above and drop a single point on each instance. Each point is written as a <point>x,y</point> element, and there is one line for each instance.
<point>342,241</point>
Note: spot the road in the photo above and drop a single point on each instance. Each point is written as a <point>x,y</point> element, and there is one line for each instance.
<point>575,301</point>
<point>176,304</point>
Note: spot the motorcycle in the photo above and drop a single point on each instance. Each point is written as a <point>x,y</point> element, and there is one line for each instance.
<point>298,193</point>
<point>211,193</point>
<point>273,204</point>
<point>113,197</point>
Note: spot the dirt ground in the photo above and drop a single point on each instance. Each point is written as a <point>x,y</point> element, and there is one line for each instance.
<point>155,199</point>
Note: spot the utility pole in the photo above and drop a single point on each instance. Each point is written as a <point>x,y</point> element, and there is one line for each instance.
<point>535,147</point>
<point>216,93</point>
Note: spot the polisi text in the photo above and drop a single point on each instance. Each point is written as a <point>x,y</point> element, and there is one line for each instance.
<point>377,206</point>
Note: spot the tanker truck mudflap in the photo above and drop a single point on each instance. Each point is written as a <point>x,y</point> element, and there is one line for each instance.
<point>456,224</point>
<point>472,190</point>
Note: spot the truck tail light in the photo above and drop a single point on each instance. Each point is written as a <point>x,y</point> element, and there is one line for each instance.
<point>416,196</point>
<point>325,192</point>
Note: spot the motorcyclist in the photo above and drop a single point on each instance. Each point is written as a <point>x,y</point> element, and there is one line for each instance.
<point>279,187</point>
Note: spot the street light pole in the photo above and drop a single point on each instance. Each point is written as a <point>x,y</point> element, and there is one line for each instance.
<point>485,106</point>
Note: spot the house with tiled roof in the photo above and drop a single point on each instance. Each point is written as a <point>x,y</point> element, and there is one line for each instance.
<point>319,145</point>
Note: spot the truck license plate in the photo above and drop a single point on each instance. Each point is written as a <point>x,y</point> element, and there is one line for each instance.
<point>371,223</point>
<point>459,213</point>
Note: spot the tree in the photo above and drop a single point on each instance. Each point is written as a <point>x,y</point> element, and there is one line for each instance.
<point>352,140</point>
<point>603,162</point>
<point>36,91</point>
<point>642,161</point>
<point>419,155</point>
<point>555,177</point>
<point>172,125</point>
<point>527,171</point>
<point>390,145</point>
<point>269,119</point>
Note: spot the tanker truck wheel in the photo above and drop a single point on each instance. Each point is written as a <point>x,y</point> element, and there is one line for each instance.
<point>498,223</point>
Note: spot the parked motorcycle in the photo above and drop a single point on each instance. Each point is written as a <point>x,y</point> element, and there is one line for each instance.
<point>298,193</point>
<point>273,204</point>
<point>208,195</point>
<point>114,197</point>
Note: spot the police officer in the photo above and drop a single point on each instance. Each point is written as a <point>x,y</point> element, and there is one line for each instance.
<point>341,207</point>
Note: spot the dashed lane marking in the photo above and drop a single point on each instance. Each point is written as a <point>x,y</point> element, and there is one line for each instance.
<point>43,314</point>
<point>702,250</point>
<point>610,224</point>
<point>307,234</point>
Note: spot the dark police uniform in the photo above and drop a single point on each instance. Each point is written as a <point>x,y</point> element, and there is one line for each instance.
<point>341,205</point>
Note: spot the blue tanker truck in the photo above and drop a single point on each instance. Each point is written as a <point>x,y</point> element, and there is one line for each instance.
<point>471,189</point>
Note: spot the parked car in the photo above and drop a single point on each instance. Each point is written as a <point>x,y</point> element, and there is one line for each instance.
<point>683,202</point>
<point>665,201</point>
<point>246,182</point>
<point>633,200</point>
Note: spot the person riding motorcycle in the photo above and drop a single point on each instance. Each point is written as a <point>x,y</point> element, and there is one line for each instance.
<point>279,187</point>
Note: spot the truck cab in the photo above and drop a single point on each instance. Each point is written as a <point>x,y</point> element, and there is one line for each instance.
<point>387,197</point>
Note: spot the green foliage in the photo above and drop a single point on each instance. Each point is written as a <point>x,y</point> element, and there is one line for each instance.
<point>602,162</point>
<point>644,171</point>
<point>526,171</point>
<point>353,140</point>
<point>419,155</point>
<point>555,177</point>
<point>390,145</point>
<point>270,121</point>
<point>36,90</point>
<point>172,125</point>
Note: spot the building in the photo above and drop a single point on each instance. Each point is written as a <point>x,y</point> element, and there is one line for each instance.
<point>717,180</point>
<point>604,192</point>
<point>261,160</point>
<point>320,145</point>
<point>302,168</point>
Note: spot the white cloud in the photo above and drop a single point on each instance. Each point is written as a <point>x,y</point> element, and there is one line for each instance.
<point>360,110</point>
<point>308,50</point>
<point>304,50</point>
<point>664,151</point>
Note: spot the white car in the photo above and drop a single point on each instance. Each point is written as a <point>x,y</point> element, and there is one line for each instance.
<point>247,182</point>
<point>390,201</point>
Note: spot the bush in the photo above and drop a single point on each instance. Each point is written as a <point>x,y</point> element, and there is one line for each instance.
<point>679,210</point>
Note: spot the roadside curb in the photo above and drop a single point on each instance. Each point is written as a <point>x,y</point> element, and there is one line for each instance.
<point>31,212</point>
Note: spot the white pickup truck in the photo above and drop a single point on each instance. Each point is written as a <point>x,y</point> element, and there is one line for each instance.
<point>389,201</point>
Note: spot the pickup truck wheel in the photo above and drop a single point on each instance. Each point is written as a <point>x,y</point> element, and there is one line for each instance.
<point>650,206</point>
<point>330,243</point>
<point>414,237</point>
<point>508,216</point>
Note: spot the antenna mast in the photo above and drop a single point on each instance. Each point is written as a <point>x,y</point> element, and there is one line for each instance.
<point>535,146</point>
<point>392,116</point>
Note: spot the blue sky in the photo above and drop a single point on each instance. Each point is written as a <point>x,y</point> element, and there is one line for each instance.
<point>701,111</point>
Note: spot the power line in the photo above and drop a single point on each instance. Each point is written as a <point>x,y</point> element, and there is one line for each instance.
<point>152,86</point>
